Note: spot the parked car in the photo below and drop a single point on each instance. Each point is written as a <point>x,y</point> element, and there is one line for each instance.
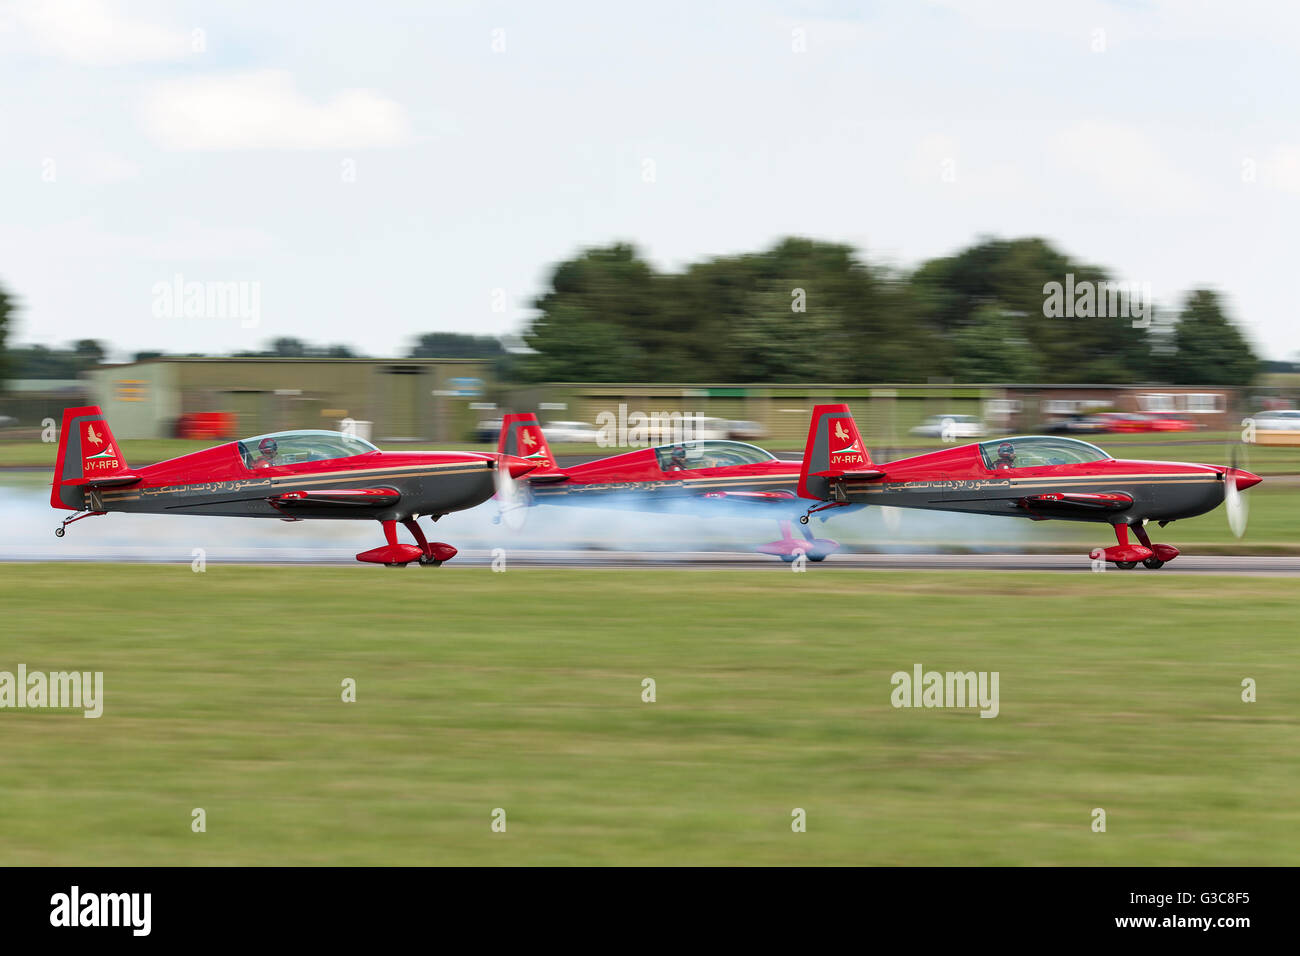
<point>745,431</point>
<point>950,426</point>
<point>1282,420</point>
<point>1172,423</point>
<point>557,432</point>
<point>1133,422</point>
<point>7,422</point>
<point>487,432</point>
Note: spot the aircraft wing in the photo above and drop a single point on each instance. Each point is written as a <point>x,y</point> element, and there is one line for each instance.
<point>771,497</point>
<point>1082,501</point>
<point>346,497</point>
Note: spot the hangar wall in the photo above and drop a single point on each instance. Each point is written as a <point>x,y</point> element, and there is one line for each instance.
<point>405,399</point>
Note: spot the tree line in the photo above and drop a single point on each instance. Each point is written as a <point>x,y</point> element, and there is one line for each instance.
<point>808,311</point>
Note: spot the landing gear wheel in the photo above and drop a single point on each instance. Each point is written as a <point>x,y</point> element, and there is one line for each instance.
<point>787,558</point>
<point>394,564</point>
<point>816,557</point>
<point>1153,563</point>
<point>59,532</point>
<point>1126,565</point>
<point>428,562</point>
<point>803,519</point>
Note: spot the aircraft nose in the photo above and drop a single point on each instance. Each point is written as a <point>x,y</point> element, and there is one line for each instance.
<point>1245,479</point>
<point>521,466</point>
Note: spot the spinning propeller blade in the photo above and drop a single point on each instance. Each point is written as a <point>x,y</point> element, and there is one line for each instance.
<point>1234,502</point>
<point>512,503</point>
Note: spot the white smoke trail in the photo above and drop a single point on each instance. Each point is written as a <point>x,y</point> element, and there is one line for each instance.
<point>27,522</point>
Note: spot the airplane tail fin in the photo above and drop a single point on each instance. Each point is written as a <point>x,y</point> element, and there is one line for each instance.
<point>834,450</point>
<point>89,457</point>
<point>521,436</point>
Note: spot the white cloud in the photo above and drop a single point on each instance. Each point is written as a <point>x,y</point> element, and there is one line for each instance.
<point>93,32</point>
<point>180,240</point>
<point>262,109</point>
<point>1281,169</point>
<point>1125,162</point>
<point>103,168</point>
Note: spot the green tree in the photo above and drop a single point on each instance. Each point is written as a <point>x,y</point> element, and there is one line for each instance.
<point>572,345</point>
<point>805,310</point>
<point>455,345</point>
<point>1013,275</point>
<point>6,307</point>
<point>90,352</point>
<point>605,319</point>
<point>39,361</point>
<point>287,347</point>
<point>1207,348</point>
<point>993,348</point>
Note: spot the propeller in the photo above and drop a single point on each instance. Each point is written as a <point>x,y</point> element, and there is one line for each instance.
<point>512,497</point>
<point>1234,502</point>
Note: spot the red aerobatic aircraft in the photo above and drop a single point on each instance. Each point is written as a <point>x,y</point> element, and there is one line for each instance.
<point>1037,477</point>
<point>710,477</point>
<point>288,475</point>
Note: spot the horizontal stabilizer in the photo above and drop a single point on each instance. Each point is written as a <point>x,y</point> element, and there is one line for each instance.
<point>125,478</point>
<point>354,497</point>
<point>547,477</point>
<point>859,475</point>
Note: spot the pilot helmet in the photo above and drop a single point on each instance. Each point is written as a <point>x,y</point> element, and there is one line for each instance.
<point>1006,450</point>
<point>267,447</point>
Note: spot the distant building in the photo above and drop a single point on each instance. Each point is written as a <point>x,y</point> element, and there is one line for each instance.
<point>29,401</point>
<point>886,412</point>
<point>403,399</point>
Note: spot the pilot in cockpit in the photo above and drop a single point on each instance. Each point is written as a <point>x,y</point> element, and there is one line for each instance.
<point>1006,456</point>
<point>677,461</point>
<point>268,449</point>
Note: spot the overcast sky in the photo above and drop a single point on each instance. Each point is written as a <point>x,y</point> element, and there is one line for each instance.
<point>381,169</point>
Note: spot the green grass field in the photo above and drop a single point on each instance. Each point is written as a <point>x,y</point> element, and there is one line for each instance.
<point>523,691</point>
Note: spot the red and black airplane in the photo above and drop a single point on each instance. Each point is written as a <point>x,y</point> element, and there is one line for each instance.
<point>708,477</point>
<point>1039,477</point>
<point>288,475</point>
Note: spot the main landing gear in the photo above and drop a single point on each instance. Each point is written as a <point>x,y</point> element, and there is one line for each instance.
<point>788,549</point>
<point>1127,556</point>
<point>394,555</point>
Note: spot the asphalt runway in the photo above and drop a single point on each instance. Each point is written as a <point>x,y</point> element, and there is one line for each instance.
<point>1265,565</point>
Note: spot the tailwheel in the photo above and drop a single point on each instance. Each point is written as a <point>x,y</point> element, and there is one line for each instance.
<point>59,532</point>
<point>803,519</point>
<point>1153,563</point>
<point>1126,565</point>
